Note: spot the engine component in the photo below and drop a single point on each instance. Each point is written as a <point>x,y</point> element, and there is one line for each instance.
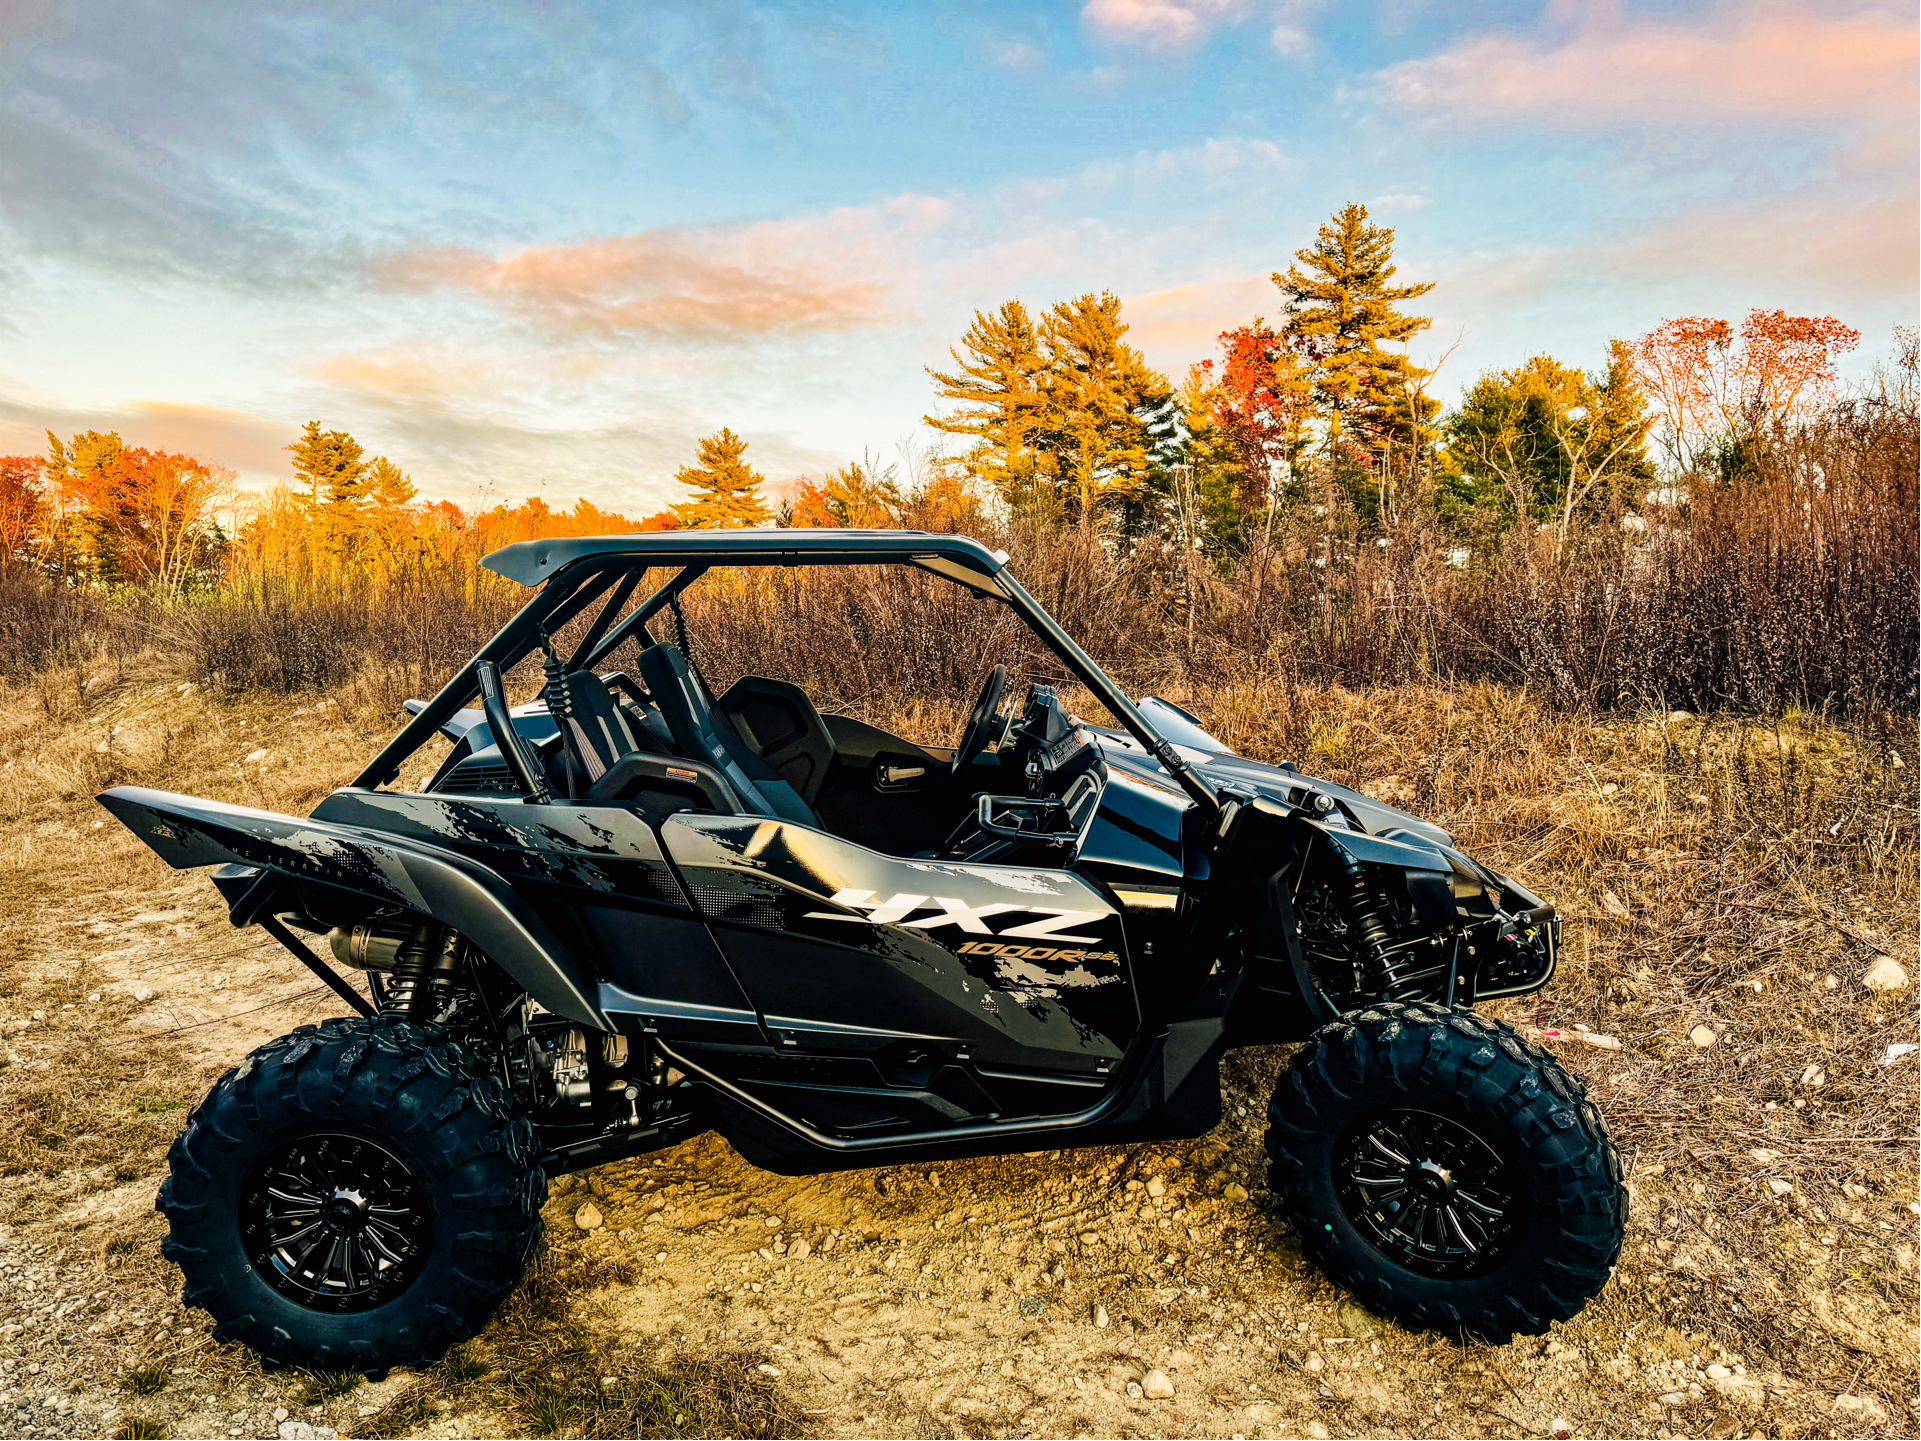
<point>562,1056</point>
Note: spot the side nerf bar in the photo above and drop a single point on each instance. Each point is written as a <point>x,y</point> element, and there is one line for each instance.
<point>185,831</point>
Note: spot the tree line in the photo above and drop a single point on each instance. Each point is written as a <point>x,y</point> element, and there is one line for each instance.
<point>1318,424</point>
<point>1321,419</point>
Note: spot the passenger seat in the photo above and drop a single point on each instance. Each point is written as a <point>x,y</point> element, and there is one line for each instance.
<point>700,736</point>
<point>598,731</point>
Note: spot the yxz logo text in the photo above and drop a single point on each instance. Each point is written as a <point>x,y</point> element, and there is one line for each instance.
<point>896,910</point>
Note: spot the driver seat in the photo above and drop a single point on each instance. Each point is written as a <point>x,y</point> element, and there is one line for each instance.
<point>700,736</point>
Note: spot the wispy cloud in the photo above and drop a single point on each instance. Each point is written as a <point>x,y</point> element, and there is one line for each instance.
<point>654,284</point>
<point>705,283</point>
<point>244,146</point>
<point>1764,66</point>
<point>1175,27</point>
<point>251,444</point>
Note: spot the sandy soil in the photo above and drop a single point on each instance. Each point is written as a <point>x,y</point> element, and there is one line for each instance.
<point>1028,1295</point>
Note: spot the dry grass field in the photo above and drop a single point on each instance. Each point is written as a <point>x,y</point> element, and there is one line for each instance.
<point>1727,885</point>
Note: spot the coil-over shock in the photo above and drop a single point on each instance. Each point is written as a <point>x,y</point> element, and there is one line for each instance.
<point>415,964</point>
<point>423,979</point>
<point>1392,962</point>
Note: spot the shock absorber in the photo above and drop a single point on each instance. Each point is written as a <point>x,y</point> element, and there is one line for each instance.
<point>554,683</point>
<point>420,970</point>
<point>1392,964</point>
<point>1364,915</point>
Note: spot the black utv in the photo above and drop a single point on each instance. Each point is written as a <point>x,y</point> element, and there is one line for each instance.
<point>634,910</point>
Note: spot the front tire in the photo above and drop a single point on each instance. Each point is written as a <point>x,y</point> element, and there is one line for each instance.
<point>1447,1173</point>
<point>353,1196</point>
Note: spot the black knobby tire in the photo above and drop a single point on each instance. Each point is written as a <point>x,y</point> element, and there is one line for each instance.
<point>425,1127</point>
<point>1538,1161</point>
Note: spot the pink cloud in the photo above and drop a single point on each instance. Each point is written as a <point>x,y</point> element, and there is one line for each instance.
<point>714,283</point>
<point>1172,27</point>
<point>1766,66</point>
<point>252,444</point>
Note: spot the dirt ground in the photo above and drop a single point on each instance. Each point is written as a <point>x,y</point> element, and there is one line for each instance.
<point>1768,1286</point>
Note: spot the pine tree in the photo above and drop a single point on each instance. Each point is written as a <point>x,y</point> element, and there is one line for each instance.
<point>998,383</point>
<point>387,518</point>
<point>1341,311</point>
<point>1110,423</point>
<point>335,469</point>
<point>726,488</point>
<point>332,464</point>
<point>85,454</point>
<point>388,487</point>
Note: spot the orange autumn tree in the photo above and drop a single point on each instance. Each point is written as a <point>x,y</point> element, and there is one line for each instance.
<point>131,516</point>
<point>21,507</point>
<point>152,512</point>
<point>860,496</point>
<point>1712,384</point>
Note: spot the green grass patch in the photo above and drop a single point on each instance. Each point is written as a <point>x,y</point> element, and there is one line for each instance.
<point>319,1387</point>
<point>461,1365</point>
<point>145,1379</point>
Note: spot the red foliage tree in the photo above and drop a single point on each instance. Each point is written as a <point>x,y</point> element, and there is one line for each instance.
<point>1262,399</point>
<point>1706,385</point>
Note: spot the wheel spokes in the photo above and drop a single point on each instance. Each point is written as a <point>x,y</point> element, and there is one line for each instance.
<point>1428,1192</point>
<point>335,1222</point>
<point>1386,1153</point>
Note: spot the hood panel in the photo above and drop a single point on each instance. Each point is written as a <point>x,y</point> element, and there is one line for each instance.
<point>1279,782</point>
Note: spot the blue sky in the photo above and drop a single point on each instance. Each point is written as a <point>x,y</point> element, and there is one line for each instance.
<point>545,247</point>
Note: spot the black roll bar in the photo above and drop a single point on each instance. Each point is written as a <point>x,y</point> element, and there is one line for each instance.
<point>637,620</point>
<point>559,601</point>
<point>565,595</point>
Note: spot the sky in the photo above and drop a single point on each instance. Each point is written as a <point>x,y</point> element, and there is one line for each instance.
<point>542,248</point>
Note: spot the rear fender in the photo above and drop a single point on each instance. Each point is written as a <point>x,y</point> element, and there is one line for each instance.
<point>185,831</point>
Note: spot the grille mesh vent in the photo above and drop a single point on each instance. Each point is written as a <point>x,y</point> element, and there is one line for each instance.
<point>478,776</point>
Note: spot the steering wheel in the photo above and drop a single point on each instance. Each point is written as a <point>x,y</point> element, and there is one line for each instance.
<point>983,722</point>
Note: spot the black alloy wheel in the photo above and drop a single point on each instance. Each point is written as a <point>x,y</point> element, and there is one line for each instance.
<point>1446,1172</point>
<point>1427,1192</point>
<point>335,1222</point>
<point>357,1195</point>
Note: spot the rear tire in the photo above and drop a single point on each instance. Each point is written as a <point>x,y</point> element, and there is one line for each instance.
<point>1447,1173</point>
<point>354,1196</point>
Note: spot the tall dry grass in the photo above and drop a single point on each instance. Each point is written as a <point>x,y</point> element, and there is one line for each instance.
<point>1794,583</point>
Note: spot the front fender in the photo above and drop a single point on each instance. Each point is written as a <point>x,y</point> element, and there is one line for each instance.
<point>185,831</point>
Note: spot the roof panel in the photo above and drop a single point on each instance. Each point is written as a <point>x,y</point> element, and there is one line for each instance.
<point>532,562</point>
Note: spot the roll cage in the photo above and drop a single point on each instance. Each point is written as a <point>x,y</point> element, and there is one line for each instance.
<point>572,574</point>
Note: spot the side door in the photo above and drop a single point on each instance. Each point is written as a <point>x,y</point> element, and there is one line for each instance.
<point>1014,971</point>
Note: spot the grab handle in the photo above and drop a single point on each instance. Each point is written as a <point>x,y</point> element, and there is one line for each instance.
<point>513,750</point>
